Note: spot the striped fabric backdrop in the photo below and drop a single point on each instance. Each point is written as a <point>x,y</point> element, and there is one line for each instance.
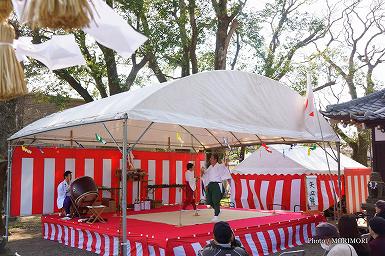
<point>35,176</point>
<point>83,239</point>
<point>270,192</point>
<point>258,240</point>
<point>263,242</point>
<point>356,187</point>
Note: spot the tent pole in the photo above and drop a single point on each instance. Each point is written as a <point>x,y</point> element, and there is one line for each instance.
<point>327,161</point>
<point>338,144</point>
<point>8,203</point>
<point>126,152</point>
<point>124,187</point>
<point>112,137</point>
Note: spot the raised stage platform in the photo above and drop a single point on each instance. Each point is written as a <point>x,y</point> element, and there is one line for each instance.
<point>158,232</point>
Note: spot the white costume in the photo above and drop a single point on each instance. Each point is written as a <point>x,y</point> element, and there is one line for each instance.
<point>191,180</point>
<point>62,192</point>
<point>216,173</point>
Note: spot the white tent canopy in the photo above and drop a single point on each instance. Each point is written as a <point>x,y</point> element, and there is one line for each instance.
<point>200,111</point>
<point>284,160</point>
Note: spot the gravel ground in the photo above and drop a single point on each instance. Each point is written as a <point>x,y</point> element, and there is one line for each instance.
<point>25,240</point>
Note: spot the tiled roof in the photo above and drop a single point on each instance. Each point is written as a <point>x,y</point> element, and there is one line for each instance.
<point>368,108</point>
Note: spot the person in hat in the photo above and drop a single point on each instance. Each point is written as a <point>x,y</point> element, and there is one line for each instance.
<point>212,179</point>
<point>377,232</point>
<point>327,234</point>
<point>380,208</point>
<point>224,242</point>
<point>63,194</point>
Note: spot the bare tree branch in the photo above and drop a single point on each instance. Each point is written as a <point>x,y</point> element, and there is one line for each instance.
<point>328,84</point>
<point>238,48</point>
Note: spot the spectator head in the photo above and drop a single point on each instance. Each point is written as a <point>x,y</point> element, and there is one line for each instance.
<point>326,232</point>
<point>189,166</point>
<point>380,206</point>
<point>377,227</point>
<point>67,175</point>
<point>223,233</point>
<point>348,227</point>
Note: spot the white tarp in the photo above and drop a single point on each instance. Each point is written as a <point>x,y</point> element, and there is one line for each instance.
<point>61,51</point>
<point>111,30</point>
<point>108,28</point>
<point>284,160</point>
<point>200,111</point>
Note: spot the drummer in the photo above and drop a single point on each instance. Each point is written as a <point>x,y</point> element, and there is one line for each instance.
<point>63,193</point>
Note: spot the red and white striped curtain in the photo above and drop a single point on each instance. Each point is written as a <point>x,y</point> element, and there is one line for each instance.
<point>356,187</point>
<point>36,175</point>
<point>286,192</point>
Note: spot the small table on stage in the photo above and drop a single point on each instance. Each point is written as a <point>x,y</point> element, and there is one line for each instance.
<point>151,188</point>
<point>96,212</point>
<point>114,194</point>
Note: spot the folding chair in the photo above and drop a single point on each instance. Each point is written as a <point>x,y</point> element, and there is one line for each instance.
<point>96,211</point>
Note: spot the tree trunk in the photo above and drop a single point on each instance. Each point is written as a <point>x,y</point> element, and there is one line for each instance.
<point>224,30</point>
<point>360,147</point>
<point>11,120</point>
<point>153,64</point>
<point>369,81</point>
<point>3,175</point>
<point>112,71</point>
<point>194,37</point>
<point>220,48</point>
<point>352,88</point>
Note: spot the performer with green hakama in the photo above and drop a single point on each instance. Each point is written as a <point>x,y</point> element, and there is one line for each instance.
<point>212,178</point>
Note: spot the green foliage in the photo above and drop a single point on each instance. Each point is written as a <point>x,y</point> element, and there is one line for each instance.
<point>289,30</point>
<point>167,24</point>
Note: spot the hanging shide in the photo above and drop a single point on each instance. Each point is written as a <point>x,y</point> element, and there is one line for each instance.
<point>56,14</point>
<point>12,82</point>
<point>5,9</point>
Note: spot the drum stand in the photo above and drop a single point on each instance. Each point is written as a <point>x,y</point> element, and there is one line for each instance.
<point>75,207</point>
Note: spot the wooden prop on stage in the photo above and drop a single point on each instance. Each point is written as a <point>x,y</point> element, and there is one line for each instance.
<point>137,175</point>
<point>96,211</point>
<point>56,14</point>
<point>12,82</point>
<point>151,188</point>
<point>5,9</point>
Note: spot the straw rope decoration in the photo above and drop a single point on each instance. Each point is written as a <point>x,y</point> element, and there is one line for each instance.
<point>12,82</point>
<point>5,9</point>
<point>55,14</point>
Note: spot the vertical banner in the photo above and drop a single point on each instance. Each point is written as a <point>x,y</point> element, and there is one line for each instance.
<point>311,193</point>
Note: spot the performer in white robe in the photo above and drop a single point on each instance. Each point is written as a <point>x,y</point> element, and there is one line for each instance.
<point>212,179</point>
<point>63,193</point>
